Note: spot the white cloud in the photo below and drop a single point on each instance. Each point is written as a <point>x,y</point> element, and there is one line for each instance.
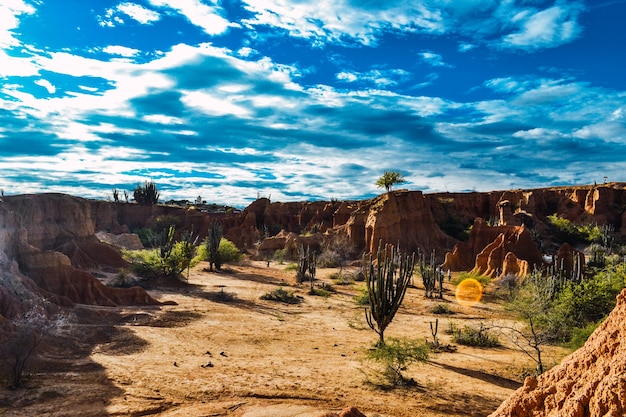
<point>138,13</point>
<point>47,85</point>
<point>433,59</point>
<point>544,28</point>
<point>204,16</point>
<point>10,11</point>
<point>121,50</point>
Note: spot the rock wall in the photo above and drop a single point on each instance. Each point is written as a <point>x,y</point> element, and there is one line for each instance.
<point>589,382</point>
<point>46,243</point>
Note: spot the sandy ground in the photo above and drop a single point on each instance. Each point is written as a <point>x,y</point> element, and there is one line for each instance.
<point>217,349</point>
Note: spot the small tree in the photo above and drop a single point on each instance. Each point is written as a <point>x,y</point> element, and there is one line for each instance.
<point>389,179</point>
<point>27,332</point>
<point>212,244</point>
<point>387,280</point>
<point>146,194</point>
<point>533,303</point>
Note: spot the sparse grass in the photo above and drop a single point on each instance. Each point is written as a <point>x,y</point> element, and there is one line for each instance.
<point>363,298</point>
<point>484,280</point>
<point>441,309</point>
<point>323,290</point>
<point>471,336</point>
<point>282,295</point>
<point>291,267</point>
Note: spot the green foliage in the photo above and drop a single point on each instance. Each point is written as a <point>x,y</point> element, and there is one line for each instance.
<point>146,194</point>
<point>282,295</point>
<point>169,258</point>
<point>395,356</point>
<point>389,179</point>
<point>387,281</point>
<point>581,334</point>
<point>291,267</point>
<point>363,298</point>
<point>569,232</point>
<point>484,280</point>
<point>580,304</point>
<point>279,256</point>
<point>227,250</point>
<point>477,337</point>
<point>324,290</point>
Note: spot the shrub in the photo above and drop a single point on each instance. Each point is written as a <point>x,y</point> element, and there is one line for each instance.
<point>363,298</point>
<point>282,295</point>
<point>395,356</point>
<point>484,280</point>
<point>581,334</point>
<point>279,256</point>
<point>441,309</point>
<point>227,251</point>
<point>471,336</point>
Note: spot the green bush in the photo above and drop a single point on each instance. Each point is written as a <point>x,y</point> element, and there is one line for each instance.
<point>395,355</point>
<point>471,336</point>
<point>441,309</point>
<point>581,334</point>
<point>282,295</point>
<point>484,280</point>
<point>227,250</point>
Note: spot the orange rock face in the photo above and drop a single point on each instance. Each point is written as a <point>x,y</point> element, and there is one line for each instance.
<point>589,382</point>
<point>494,251</point>
<point>45,242</point>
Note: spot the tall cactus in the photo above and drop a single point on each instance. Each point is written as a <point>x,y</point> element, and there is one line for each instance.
<point>387,280</point>
<point>307,264</point>
<point>214,236</point>
<point>432,275</point>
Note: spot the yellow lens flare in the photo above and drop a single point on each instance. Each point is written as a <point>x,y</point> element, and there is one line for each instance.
<point>469,292</point>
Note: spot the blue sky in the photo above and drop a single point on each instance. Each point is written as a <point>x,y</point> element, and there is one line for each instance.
<point>309,99</point>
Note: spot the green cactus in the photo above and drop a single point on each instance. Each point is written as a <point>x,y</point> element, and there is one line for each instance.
<point>212,244</point>
<point>432,275</point>
<point>387,280</point>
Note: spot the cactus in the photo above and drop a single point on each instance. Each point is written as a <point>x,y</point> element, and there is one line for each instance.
<point>307,263</point>
<point>387,280</point>
<point>433,330</point>
<point>213,244</point>
<point>432,276</point>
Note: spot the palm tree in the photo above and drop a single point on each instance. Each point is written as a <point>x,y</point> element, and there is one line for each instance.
<point>389,179</point>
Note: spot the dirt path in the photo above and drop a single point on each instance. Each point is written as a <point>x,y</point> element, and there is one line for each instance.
<point>222,351</point>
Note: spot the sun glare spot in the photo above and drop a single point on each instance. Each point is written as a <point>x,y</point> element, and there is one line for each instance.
<point>469,292</point>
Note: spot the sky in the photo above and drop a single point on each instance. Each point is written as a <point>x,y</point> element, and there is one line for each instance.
<point>308,100</point>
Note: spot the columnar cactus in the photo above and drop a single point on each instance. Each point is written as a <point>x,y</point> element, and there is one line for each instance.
<point>387,280</point>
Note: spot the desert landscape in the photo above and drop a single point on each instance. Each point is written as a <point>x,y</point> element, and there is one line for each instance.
<point>208,344</point>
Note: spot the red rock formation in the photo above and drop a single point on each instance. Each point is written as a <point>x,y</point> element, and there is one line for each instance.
<point>402,218</point>
<point>50,237</point>
<point>589,382</point>
<point>486,251</point>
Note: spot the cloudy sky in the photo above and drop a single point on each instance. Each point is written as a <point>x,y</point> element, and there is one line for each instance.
<point>309,99</point>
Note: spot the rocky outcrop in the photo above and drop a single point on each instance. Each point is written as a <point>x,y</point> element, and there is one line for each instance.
<point>495,251</point>
<point>402,218</point>
<point>46,243</point>
<point>589,382</point>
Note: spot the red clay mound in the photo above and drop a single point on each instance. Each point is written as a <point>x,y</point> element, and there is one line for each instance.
<point>589,382</point>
